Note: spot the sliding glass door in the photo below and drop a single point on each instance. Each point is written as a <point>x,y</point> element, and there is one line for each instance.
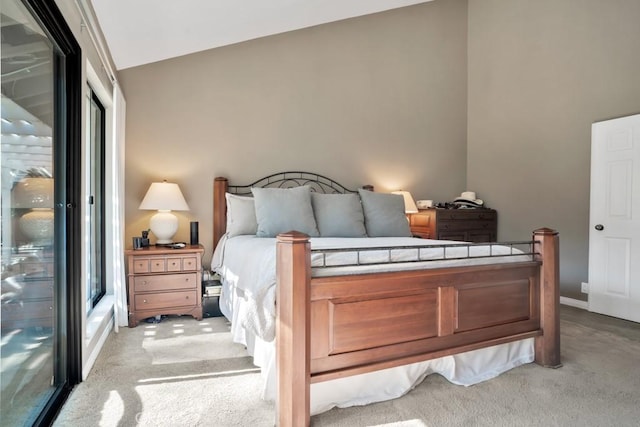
<point>38,353</point>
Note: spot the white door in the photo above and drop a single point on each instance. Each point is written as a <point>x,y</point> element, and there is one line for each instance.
<point>614,237</point>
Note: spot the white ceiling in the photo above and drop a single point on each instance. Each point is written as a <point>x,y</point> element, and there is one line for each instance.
<point>143,31</point>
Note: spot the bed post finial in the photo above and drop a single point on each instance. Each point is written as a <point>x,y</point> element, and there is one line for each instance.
<point>548,344</point>
<point>293,312</point>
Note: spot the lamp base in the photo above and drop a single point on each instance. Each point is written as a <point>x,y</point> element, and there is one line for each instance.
<point>164,225</point>
<point>37,225</point>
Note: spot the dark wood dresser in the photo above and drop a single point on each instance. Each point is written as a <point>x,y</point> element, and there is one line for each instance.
<point>469,225</point>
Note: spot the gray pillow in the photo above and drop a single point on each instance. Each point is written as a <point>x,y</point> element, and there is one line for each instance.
<point>241,215</point>
<point>338,215</point>
<point>384,214</point>
<point>279,210</point>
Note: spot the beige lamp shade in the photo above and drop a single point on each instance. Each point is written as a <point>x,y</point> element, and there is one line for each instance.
<point>409,203</point>
<point>164,197</point>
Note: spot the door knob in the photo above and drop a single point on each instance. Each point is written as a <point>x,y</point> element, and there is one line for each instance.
<point>599,227</point>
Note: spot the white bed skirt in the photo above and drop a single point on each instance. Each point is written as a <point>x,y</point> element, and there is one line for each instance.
<point>465,369</point>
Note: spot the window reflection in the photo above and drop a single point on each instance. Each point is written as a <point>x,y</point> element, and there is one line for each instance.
<point>27,310</point>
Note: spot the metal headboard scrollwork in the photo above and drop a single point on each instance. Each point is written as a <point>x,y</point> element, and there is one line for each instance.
<point>318,183</point>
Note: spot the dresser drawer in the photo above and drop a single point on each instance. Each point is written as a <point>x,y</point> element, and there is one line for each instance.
<point>27,310</point>
<point>466,214</point>
<point>38,289</point>
<point>165,300</point>
<point>464,225</point>
<point>165,282</point>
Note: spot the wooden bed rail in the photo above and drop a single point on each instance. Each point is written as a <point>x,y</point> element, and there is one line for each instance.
<point>452,298</point>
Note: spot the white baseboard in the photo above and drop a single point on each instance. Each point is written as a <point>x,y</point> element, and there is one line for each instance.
<point>574,303</point>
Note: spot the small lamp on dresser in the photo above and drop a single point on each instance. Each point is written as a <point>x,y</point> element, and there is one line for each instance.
<point>409,204</point>
<point>164,197</point>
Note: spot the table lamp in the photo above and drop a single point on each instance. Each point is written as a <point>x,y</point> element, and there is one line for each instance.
<point>164,197</point>
<point>409,204</point>
<point>35,194</point>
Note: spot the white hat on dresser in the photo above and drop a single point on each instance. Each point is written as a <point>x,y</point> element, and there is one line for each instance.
<point>469,198</point>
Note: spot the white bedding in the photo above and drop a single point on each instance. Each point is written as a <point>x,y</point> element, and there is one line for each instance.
<point>246,265</point>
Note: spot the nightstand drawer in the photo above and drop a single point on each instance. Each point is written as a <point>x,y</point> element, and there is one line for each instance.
<point>149,265</point>
<point>165,300</point>
<point>165,282</point>
<point>174,264</point>
<point>190,264</point>
<point>420,220</point>
<point>141,265</point>
<point>158,265</point>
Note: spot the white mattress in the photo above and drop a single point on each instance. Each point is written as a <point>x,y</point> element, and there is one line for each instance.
<point>246,265</point>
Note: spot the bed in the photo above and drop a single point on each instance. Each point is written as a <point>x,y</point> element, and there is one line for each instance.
<point>340,321</point>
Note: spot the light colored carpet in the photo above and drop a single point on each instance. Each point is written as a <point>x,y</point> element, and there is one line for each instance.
<point>182,372</point>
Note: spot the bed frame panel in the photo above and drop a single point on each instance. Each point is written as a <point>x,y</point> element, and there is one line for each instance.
<point>332,327</point>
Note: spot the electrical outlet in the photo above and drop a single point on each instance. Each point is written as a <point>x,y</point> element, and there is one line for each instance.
<point>585,288</point>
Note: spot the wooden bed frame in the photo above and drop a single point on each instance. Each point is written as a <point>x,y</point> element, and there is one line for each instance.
<point>332,327</point>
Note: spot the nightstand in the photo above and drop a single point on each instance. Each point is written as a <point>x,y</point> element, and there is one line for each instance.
<point>162,280</point>
<point>469,225</point>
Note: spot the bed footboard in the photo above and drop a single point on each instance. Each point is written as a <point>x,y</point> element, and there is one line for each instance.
<point>327,330</point>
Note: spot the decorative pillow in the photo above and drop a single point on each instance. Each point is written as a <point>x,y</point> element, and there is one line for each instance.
<point>241,215</point>
<point>384,214</point>
<point>279,210</point>
<point>338,215</point>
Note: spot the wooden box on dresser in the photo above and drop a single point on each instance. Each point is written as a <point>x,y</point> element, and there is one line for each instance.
<point>469,225</point>
<point>163,280</point>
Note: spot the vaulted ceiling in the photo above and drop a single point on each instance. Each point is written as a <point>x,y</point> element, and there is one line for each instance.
<point>143,31</point>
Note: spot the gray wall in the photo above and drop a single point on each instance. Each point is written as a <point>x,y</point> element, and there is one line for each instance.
<point>383,99</point>
<point>379,100</point>
<point>540,72</point>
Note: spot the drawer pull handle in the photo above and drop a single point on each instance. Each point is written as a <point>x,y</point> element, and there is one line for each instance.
<point>144,301</point>
<point>187,297</point>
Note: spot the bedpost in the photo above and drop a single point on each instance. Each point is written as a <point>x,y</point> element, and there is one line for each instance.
<point>293,281</point>
<point>548,344</point>
<point>220,187</point>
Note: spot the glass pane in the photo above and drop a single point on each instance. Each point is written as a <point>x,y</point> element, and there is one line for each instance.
<point>27,310</point>
<point>95,208</point>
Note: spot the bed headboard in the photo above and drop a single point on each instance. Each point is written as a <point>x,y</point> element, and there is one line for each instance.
<point>318,183</point>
